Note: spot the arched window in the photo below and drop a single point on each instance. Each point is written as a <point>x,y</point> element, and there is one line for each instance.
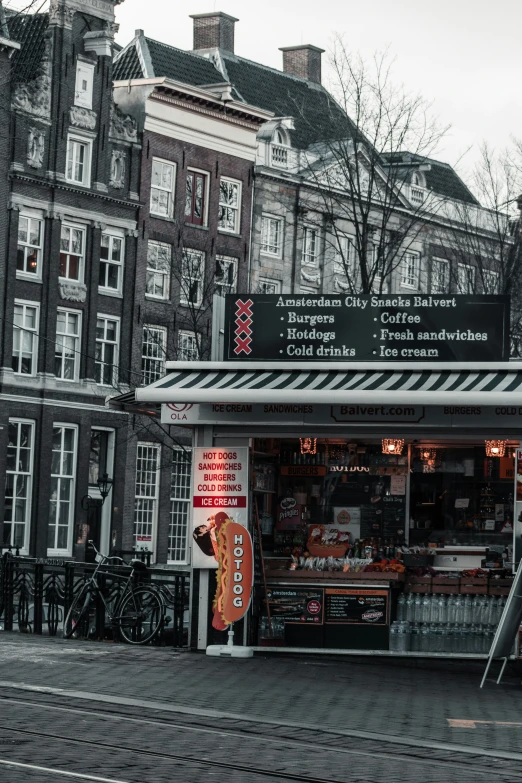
<point>415,179</point>
<point>281,137</point>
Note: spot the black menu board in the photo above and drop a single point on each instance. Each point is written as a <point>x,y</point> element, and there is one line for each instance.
<point>356,606</point>
<point>296,605</point>
<point>372,519</point>
<point>393,515</point>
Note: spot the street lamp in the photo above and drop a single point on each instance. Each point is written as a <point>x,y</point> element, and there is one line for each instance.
<point>104,485</point>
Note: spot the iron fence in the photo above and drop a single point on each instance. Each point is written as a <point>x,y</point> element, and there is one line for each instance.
<point>35,597</point>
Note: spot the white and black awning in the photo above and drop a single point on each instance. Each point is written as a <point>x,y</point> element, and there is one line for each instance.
<point>339,383</point>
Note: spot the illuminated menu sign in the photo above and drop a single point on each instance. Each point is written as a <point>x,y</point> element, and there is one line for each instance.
<point>373,327</point>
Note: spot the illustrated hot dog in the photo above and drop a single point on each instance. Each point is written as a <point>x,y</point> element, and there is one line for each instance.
<point>235,572</point>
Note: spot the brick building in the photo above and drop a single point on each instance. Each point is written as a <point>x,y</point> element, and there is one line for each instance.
<point>67,281</point>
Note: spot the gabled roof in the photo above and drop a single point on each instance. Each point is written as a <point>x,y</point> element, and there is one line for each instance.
<point>163,60</point>
<point>317,116</point>
<point>29,31</point>
<point>440,177</point>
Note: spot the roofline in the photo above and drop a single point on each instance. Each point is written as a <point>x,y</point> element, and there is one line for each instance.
<point>301,46</point>
<point>197,92</point>
<point>212,14</point>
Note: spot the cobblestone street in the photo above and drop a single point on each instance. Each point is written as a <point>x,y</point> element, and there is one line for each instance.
<point>116,713</point>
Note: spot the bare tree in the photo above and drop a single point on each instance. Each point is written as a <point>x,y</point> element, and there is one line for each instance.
<point>360,177</point>
<point>483,246</point>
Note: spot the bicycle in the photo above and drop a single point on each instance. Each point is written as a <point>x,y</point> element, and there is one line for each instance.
<point>139,612</point>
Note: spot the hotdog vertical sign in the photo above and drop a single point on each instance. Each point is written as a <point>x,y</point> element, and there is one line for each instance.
<point>219,494</point>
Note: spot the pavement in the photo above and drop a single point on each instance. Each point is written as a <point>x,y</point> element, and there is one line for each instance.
<point>388,720</point>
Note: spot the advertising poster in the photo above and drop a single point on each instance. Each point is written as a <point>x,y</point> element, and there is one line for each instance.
<point>354,606</point>
<point>219,492</point>
<point>289,515</point>
<point>297,605</point>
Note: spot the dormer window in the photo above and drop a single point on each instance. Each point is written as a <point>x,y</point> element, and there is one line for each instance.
<point>84,84</point>
<point>280,145</point>
<point>280,137</point>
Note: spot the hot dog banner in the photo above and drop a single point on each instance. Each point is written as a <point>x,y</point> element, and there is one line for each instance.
<point>235,573</point>
<point>219,492</point>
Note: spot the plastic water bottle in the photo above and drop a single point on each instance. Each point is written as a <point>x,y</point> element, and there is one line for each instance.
<point>443,609</point>
<point>451,610</point>
<point>417,612</point>
<point>409,607</point>
<point>426,608</point>
<point>404,638</point>
<point>476,609</point>
<point>468,609</point>
<point>424,641</point>
<point>459,610</point>
<point>394,632</point>
<point>401,607</point>
<point>415,638</point>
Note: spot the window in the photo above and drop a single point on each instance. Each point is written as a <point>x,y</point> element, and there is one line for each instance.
<point>25,338</point>
<point>439,276</point>
<point>192,272</point>
<point>29,251</point>
<point>83,87</point>
<point>310,247</point>
<point>195,198</point>
<point>78,161</point>
<point>266,286</point>
<point>226,275</point>
<point>162,188</point>
<point>344,259</point>
<point>490,280</point>
<point>179,505</point>
<point>147,493</point>
<point>272,236</point>
<point>63,481</point>
<point>229,205</point>
<point>72,252</point>
<point>111,264</point>
<point>189,344</point>
<point>67,350</point>
<point>18,483</point>
<point>465,279</point>
<point>107,340</point>
<point>154,350</point>
<point>410,268</point>
<point>98,452</point>
<point>158,270</point>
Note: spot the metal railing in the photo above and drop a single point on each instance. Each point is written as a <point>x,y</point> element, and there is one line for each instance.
<point>35,597</point>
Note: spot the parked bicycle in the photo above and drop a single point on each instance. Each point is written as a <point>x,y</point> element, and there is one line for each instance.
<point>138,615</point>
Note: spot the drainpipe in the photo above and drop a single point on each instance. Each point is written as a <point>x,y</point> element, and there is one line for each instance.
<point>294,242</point>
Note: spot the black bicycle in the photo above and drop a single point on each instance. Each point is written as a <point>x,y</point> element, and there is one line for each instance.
<point>138,614</point>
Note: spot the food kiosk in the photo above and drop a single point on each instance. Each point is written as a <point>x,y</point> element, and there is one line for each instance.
<point>380,492</point>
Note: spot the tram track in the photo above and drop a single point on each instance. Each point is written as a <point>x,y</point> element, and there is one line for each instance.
<point>416,758</point>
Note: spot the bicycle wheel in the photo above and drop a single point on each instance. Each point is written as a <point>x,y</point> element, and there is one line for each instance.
<point>140,615</point>
<point>77,620</point>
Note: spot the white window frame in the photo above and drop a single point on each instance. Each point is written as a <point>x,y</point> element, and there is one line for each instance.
<point>489,276</point>
<point>68,253</point>
<point>344,255</point>
<point>464,269</point>
<point>54,550</point>
<point>266,243</point>
<point>83,96</point>
<point>228,262</point>
<point>236,210</point>
<point>155,274</point>
<point>188,277</point>
<point>195,338</point>
<point>157,360</point>
<point>310,252</point>
<point>24,304</point>
<point>72,157</point>
<point>171,192</point>
<point>78,344</point>
<point>180,489</point>
<point>116,343</point>
<point>435,284</point>
<point>409,280</point>
<point>28,247</point>
<point>26,524</point>
<point>206,192</point>
<point>144,498</point>
<point>267,282</point>
<point>107,290</point>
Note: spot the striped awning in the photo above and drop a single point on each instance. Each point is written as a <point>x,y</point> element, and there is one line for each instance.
<point>422,383</point>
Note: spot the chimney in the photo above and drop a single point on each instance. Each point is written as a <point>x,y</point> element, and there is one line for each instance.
<point>215,30</point>
<point>303,61</point>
